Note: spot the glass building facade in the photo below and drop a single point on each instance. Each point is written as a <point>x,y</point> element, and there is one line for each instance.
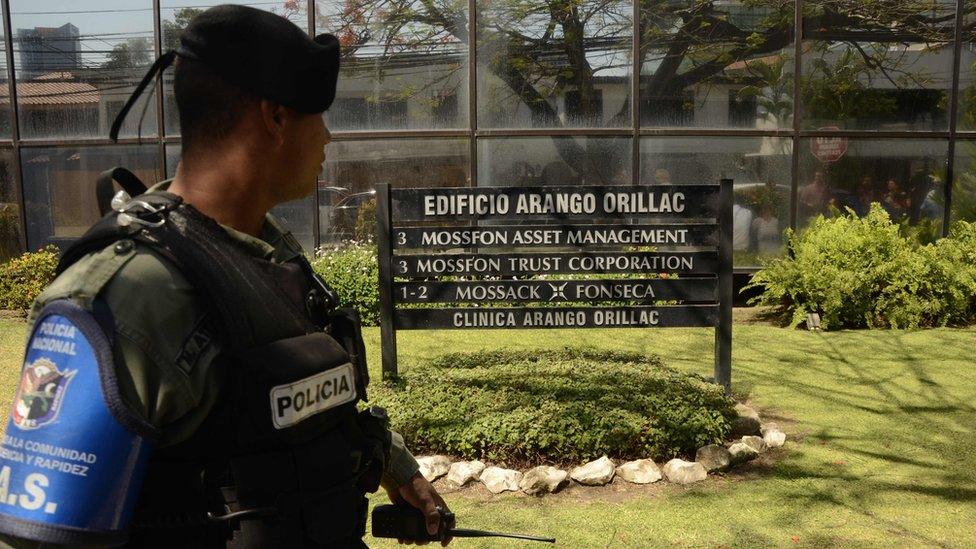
<point>810,106</point>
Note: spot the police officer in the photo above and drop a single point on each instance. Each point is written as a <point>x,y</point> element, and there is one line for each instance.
<point>188,380</point>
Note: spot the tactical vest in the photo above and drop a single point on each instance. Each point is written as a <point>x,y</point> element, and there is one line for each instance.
<point>284,459</point>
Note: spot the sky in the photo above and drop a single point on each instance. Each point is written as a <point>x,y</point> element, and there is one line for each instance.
<point>104,23</point>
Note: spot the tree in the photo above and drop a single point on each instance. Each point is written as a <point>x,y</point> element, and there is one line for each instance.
<point>540,49</point>
<point>133,53</point>
<point>173,29</point>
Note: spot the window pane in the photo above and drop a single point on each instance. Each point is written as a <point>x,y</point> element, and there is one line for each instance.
<point>297,216</point>
<point>175,15</point>
<point>555,64</point>
<point>966,119</point>
<point>711,64</point>
<point>964,182</point>
<point>870,67</point>
<point>905,176</point>
<point>59,186</point>
<point>11,223</point>
<point>76,64</point>
<point>353,168</point>
<point>760,169</point>
<point>533,161</point>
<point>404,64</point>
<point>5,110</point>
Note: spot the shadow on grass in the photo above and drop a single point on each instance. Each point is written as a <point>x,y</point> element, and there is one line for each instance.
<point>902,421</point>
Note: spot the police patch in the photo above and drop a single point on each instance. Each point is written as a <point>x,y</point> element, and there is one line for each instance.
<point>40,393</point>
<point>70,466</point>
<point>293,402</point>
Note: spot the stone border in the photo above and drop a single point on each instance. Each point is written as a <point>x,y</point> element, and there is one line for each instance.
<point>750,437</point>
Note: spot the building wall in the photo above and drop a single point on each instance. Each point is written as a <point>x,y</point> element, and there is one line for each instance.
<point>422,104</point>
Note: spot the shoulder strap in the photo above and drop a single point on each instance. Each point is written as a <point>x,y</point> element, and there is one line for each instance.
<point>108,229</point>
<point>250,305</point>
<point>105,190</point>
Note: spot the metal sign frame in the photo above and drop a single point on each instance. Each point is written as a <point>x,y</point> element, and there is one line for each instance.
<point>709,292</point>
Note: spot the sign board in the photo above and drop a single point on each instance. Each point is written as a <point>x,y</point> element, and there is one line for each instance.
<point>829,149</point>
<point>557,291</point>
<point>539,258</point>
<point>555,203</point>
<point>552,236</point>
<point>536,263</point>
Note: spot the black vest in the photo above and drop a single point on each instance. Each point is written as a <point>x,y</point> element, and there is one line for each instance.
<point>284,459</point>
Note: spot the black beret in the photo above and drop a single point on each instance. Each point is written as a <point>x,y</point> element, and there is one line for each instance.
<point>259,51</point>
<point>266,54</point>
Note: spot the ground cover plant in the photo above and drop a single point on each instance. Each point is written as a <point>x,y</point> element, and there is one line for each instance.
<point>555,406</point>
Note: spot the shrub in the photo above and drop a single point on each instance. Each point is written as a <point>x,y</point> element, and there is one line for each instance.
<point>556,406</point>
<point>366,221</point>
<point>23,278</point>
<point>352,271</point>
<point>862,272</point>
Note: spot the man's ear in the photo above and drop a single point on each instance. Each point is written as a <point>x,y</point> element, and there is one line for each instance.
<point>274,118</point>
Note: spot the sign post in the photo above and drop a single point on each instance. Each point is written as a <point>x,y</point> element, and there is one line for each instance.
<point>667,243</point>
<point>828,149</point>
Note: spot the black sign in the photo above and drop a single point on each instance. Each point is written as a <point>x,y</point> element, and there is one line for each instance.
<point>556,317</point>
<point>577,202</point>
<point>524,264</point>
<point>533,232</point>
<point>648,290</point>
<point>553,236</point>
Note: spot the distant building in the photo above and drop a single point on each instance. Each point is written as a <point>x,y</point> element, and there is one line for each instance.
<point>47,49</point>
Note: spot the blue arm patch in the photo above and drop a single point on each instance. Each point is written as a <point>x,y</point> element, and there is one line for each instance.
<point>73,457</point>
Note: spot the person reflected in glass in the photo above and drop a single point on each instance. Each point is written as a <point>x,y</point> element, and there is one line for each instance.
<point>896,201</point>
<point>815,196</point>
<point>742,217</point>
<point>662,176</point>
<point>867,193</point>
<point>766,229</point>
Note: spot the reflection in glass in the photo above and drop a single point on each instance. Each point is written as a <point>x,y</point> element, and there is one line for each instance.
<point>760,169</point>
<point>905,176</point>
<point>964,183</point>
<point>5,110</point>
<point>59,186</point>
<point>404,63</point>
<point>76,67</point>
<point>877,69</point>
<point>966,117</point>
<point>175,15</point>
<point>717,64</point>
<point>532,161</point>
<point>554,64</point>
<point>11,224</point>
<point>298,216</point>
<point>353,168</point>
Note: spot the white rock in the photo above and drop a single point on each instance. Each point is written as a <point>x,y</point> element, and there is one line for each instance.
<point>543,479</point>
<point>595,473</point>
<point>713,457</point>
<point>680,471</point>
<point>774,438</point>
<point>746,411</point>
<point>464,472</point>
<point>434,467</point>
<point>747,423</point>
<point>641,471</point>
<point>498,480</point>
<point>757,443</point>
<point>742,452</point>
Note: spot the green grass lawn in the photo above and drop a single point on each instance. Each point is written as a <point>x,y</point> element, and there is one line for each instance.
<point>882,450</point>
